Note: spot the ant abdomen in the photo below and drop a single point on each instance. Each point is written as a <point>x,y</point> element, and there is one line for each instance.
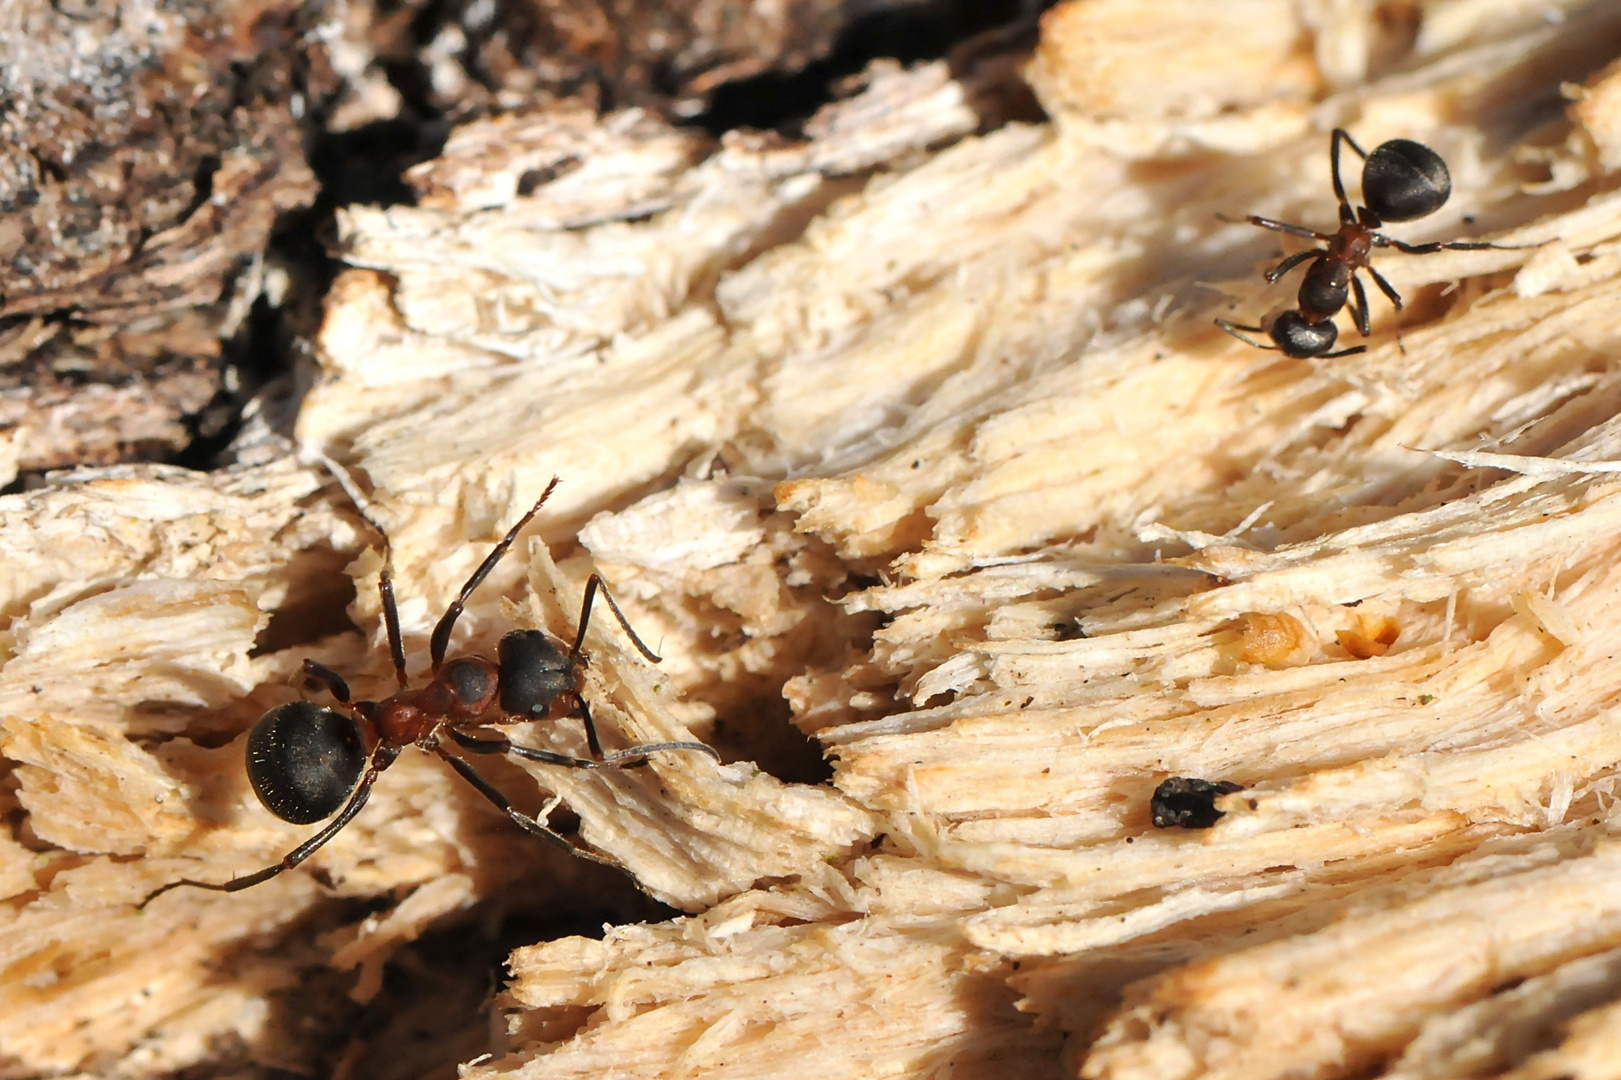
<point>1323,291</point>
<point>303,760</point>
<point>534,673</point>
<point>1299,339</point>
<point>1403,180</point>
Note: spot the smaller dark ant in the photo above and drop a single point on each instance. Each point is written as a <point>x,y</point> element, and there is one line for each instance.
<point>1402,180</point>
<point>305,760</point>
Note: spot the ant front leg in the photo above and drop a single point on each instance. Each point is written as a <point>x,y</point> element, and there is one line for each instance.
<point>1341,135</point>
<point>583,709</point>
<point>635,755</point>
<point>593,585</point>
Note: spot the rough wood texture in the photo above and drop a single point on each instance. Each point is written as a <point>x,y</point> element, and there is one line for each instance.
<point>476,57</point>
<point>146,150</point>
<point>922,442</point>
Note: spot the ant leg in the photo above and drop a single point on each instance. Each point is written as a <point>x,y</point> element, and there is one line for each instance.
<point>1343,352</point>
<point>1290,263</point>
<point>1234,328</point>
<point>592,585</point>
<point>391,619</point>
<point>321,675</point>
<point>1452,245</point>
<point>385,577</point>
<point>1278,226</point>
<point>1390,294</point>
<point>523,821</point>
<point>495,743</point>
<point>381,759</point>
<point>1385,287</point>
<point>638,755</point>
<point>447,622</point>
<point>1359,306</point>
<point>1347,217</point>
<point>591,739</point>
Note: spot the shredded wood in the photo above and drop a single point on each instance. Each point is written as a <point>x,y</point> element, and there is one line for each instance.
<point>911,443</point>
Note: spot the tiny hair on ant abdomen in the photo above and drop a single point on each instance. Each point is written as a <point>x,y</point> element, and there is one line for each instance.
<point>306,760</point>
<point>1402,180</point>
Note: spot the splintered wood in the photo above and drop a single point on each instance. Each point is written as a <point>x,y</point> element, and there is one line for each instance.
<point>912,438</point>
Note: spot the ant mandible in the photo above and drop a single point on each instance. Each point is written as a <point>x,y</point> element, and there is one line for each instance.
<point>304,759</point>
<point>1402,180</point>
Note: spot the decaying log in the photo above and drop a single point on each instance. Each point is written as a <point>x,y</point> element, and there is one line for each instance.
<point>913,437</point>
<point>148,150</point>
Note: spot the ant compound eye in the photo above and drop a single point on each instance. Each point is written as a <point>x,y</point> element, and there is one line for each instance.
<point>1300,339</point>
<point>1403,180</point>
<point>303,760</point>
<point>471,682</point>
<point>534,672</point>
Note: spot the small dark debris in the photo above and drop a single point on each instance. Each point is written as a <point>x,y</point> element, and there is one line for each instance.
<point>1189,803</point>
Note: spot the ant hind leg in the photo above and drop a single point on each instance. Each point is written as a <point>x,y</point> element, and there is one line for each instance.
<point>380,761</point>
<point>1234,328</point>
<point>1354,350</point>
<point>319,675</point>
<point>1290,263</point>
<point>1359,307</point>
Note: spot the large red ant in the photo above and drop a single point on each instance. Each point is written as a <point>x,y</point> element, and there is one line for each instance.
<point>1402,180</point>
<point>304,759</point>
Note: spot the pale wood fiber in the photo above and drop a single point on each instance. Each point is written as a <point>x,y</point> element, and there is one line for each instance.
<point>928,432</point>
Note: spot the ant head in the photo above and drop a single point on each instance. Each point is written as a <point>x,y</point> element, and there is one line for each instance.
<point>303,760</point>
<point>1403,180</point>
<point>535,671</point>
<point>1299,339</point>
